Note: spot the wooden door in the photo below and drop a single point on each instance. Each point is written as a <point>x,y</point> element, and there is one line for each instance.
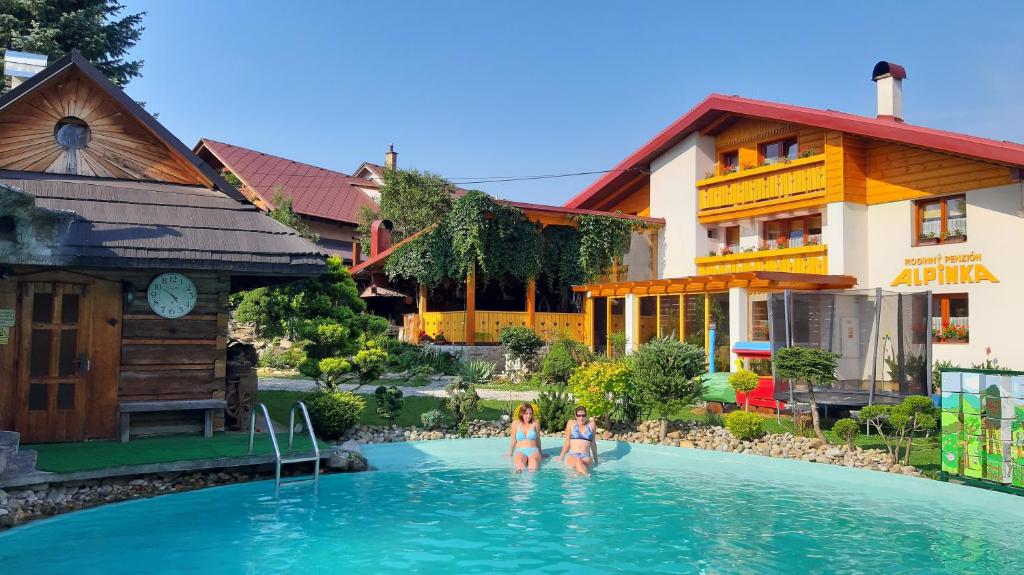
<point>55,361</point>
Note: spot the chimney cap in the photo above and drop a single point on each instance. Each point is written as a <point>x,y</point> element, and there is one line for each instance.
<point>884,68</point>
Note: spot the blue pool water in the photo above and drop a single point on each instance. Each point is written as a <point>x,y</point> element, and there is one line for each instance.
<point>453,507</point>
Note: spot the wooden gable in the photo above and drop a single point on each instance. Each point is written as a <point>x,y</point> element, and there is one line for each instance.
<point>102,138</point>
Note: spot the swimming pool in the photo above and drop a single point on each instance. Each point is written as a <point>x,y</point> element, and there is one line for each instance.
<point>453,507</point>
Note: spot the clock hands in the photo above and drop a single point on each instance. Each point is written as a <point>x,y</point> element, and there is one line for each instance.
<point>169,293</point>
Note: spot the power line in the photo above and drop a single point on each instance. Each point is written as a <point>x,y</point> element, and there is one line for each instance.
<point>496,179</point>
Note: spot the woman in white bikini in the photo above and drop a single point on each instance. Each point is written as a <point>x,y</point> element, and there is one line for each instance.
<point>525,448</point>
<point>579,443</point>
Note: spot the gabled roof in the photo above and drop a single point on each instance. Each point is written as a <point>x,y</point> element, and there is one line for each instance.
<point>74,61</point>
<point>716,106</point>
<point>372,171</point>
<point>314,191</point>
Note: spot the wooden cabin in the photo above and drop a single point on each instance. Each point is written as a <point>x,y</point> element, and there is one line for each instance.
<point>119,249</point>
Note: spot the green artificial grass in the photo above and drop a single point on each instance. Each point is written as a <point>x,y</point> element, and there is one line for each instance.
<point>87,455</point>
<point>279,403</point>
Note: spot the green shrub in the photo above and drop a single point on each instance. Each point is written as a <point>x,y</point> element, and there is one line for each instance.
<point>432,419</point>
<point>744,381</point>
<point>334,412</point>
<point>898,424</point>
<point>666,375</point>
<point>462,400</point>
<point>370,363</point>
<point>596,385</point>
<point>282,358</point>
<point>555,409</point>
<point>847,430</point>
<point>440,361</point>
<point>389,402</point>
<point>520,342</point>
<point>563,357</point>
<point>744,425</point>
<point>405,361</point>
<point>327,372</point>
<point>476,372</point>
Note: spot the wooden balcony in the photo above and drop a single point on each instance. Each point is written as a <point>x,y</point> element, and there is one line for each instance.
<point>785,186</point>
<point>451,325</point>
<point>803,259</point>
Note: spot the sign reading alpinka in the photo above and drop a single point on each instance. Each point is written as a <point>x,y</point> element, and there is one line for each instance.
<point>953,269</point>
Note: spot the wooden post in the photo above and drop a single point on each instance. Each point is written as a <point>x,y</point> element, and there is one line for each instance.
<point>531,303</point>
<point>421,308</point>
<point>470,323</point>
<point>588,322</point>
<point>707,322</point>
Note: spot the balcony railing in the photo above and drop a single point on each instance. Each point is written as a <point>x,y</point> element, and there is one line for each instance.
<point>764,186</point>
<point>804,259</point>
<point>451,325</point>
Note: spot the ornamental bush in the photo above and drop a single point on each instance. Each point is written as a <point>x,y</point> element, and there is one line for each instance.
<point>334,412</point>
<point>555,408</point>
<point>328,372</point>
<point>666,375</point>
<point>520,342</point>
<point>563,357</point>
<point>476,372</point>
<point>432,419</point>
<point>744,381</point>
<point>744,425</point>
<point>370,363</point>
<point>389,402</point>
<point>847,430</point>
<point>596,385</point>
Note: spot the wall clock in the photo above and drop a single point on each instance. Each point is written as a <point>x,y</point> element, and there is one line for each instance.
<point>171,295</point>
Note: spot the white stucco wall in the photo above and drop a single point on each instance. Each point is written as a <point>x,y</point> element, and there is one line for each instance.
<point>843,232</point>
<point>674,175</point>
<point>996,233</point>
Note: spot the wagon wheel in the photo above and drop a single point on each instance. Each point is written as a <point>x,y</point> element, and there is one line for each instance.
<point>239,405</point>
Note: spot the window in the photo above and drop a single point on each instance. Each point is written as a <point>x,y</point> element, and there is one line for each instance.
<point>949,318</point>
<point>732,239</point>
<point>792,232</point>
<point>941,220</point>
<point>730,162</point>
<point>759,320</point>
<point>779,150</point>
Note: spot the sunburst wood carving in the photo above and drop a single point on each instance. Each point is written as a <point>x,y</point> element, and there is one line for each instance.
<point>115,145</point>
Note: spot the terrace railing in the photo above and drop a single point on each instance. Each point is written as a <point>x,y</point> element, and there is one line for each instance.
<point>451,325</point>
<point>811,259</point>
<point>769,187</point>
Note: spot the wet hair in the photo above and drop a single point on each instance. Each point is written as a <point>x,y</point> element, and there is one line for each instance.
<point>577,410</point>
<point>526,405</point>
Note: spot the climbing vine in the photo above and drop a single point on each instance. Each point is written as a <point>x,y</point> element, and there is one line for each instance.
<point>560,257</point>
<point>500,242</point>
<point>603,240</point>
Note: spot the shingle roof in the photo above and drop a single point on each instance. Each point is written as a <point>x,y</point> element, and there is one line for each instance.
<point>122,223</point>
<point>314,191</point>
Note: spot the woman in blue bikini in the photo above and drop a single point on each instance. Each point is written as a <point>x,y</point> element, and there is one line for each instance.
<point>579,443</point>
<point>525,447</point>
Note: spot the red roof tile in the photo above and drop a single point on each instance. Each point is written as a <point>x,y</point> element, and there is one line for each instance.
<point>716,105</point>
<point>314,191</point>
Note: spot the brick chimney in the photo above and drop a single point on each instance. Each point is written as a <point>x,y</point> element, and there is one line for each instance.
<point>391,158</point>
<point>380,236</point>
<point>888,78</point>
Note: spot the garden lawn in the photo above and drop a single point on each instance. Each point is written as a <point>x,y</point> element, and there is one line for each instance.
<point>87,455</point>
<point>279,403</point>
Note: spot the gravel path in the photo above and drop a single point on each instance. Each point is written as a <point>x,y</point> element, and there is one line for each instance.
<point>433,389</point>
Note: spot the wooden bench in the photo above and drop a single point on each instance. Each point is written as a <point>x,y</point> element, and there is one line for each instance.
<point>126,408</point>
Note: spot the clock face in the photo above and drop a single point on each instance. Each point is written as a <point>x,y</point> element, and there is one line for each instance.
<point>171,295</point>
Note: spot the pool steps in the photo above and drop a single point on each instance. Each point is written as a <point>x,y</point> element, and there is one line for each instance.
<point>280,459</point>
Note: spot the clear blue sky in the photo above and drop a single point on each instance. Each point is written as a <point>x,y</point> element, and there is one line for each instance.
<point>470,89</point>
